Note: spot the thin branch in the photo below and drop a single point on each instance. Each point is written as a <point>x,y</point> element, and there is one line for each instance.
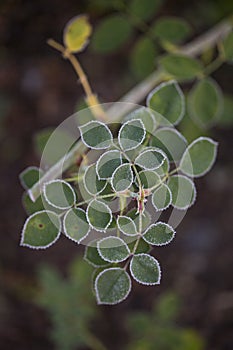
<point>134,96</point>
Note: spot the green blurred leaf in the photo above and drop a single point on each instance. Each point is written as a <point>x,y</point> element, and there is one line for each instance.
<point>228,47</point>
<point>146,116</point>
<point>181,67</point>
<point>41,230</point>
<point>205,103</point>
<point>199,157</point>
<point>172,29</point>
<point>168,100</point>
<point>145,269</point>
<point>111,34</point>
<point>112,286</point>
<point>142,57</point>
<point>226,118</point>
<point>145,9</point>
<point>76,33</point>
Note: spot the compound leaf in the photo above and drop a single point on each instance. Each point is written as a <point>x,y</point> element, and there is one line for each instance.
<point>162,197</point>
<point>131,134</point>
<point>107,163</point>
<point>145,269</point>
<point>159,234</point>
<point>113,249</point>
<point>168,100</point>
<point>122,178</point>
<point>41,230</point>
<point>59,194</point>
<point>183,191</point>
<point>75,224</point>
<point>99,215</point>
<point>199,157</point>
<point>112,286</point>
<point>96,135</point>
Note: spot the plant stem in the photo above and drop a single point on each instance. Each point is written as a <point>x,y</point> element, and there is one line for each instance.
<point>134,96</point>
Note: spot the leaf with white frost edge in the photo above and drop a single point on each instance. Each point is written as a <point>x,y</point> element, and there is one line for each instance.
<point>131,134</point>
<point>167,99</point>
<point>126,225</point>
<point>148,178</point>
<point>41,230</point>
<point>112,286</point>
<point>199,157</point>
<point>150,159</point>
<point>59,194</point>
<point>92,257</point>
<point>29,176</point>
<point>161,197</point>
<point>183,191</point>
<point>145,115</point>
<point>122,178</point>
<point>145,269</point>
<point>113,249</point>
<point>99,215</point>
<point>75,225</point>
<point>107,163</point>
<point>159,234</point>
<point>96,135</point>
<point>92,183</point>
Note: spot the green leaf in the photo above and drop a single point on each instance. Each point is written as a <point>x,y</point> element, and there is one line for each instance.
<point>172,29</point>
<point>148,178</point>
<point>113,249</point>
<point>99,215</point>
<point>171,141</point>
<point>150,159</point>
<point>226,119</point>
<point>131,134</point>
<point>30,206</point>
<point>92,256</point>
<point>112,286</point>
<point>146,116</point>
<point>59,194</point>
<point>41,230</point>
<point>96,135</point>
<point>183,191</point>
<point>199,157</point>
<point>126,225</point>
<point>92,183</point>
<point>75,224</point>
<point>144,10</point>
<point>142,247</point>
<point>145,269</point>
<point>163,169</point>
<point>205,103</point>
<point>159,234</point>
<point>107,163</point>
<point>181,67</point>
<point>142,57</point>
<point>76,33</point>
<point>29,176</point>
<point>112,32</point>
<point>228,47</point>
<point>161,197</point>
<point>122,178</point>
<point>167,99</point>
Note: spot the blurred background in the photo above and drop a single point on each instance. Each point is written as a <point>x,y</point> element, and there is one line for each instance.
<point>45,297</point>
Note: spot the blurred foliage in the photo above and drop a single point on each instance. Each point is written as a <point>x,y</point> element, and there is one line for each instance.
<point>159,330</point>
<point>70,304</point>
